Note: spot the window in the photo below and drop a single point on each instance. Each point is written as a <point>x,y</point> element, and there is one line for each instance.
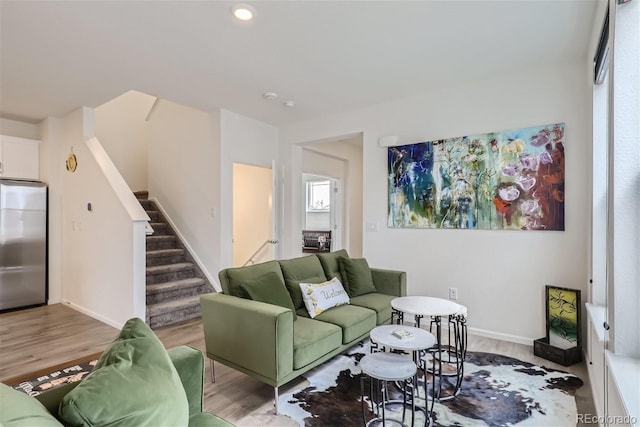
<point>318,196</point>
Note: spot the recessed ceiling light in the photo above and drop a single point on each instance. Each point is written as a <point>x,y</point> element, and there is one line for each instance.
<point>243,12</point>
<point>289,104</point>
<point>269,95</point>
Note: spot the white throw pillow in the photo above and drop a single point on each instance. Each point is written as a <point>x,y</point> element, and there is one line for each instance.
<point>319,297</point>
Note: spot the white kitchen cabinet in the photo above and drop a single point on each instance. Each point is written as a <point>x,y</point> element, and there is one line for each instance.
<point>19,158</point>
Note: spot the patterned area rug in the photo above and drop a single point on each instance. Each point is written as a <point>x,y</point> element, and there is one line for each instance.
<point>49,378</point>
<point>496,391</point>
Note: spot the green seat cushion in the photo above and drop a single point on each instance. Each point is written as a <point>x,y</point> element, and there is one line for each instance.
<point>230,278</point>
<point>305,269</point>
<point>313,339</point>
<point>380,303</point>
<point>358,276</point>
<point>20,409</point>
<point>270,289</point>
<point>331,267</point>
<point>354,321</point>
<point>205,419</point>
<point>134,383</point>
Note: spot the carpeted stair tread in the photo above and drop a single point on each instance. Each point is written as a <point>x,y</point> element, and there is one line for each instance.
<point>161,237</point>
<point>173,305</point>
<point>148,205</point>
<point>159,228</point>
<point>160,242</point>
<point>169,268</point>
<point>165,256</point>
<point>167,286</point>
<point>141,195</point>
<point>154,215</point>
<point>164,252</point>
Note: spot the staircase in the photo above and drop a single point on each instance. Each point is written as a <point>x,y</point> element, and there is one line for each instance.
<point>174,281</point>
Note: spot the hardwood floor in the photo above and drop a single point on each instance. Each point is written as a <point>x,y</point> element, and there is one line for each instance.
<point>37,338</point>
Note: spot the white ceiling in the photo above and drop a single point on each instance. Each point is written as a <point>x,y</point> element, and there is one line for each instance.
<point>327,56</point>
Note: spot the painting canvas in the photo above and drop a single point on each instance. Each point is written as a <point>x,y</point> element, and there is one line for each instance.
<point>508,180</point>
<point>563,312</point>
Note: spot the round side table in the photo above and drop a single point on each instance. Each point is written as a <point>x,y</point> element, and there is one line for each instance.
<point>435,308</point>
<point>381,368</point>
<point>415,341</point>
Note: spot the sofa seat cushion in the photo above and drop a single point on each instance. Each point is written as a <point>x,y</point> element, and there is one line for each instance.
<point>380,303</point>
<point>205,419</point>
<point>353,320</point>
<point>111,395</point>
<point>20,409</point>
<point>305,269</point>
<point>313,339</point>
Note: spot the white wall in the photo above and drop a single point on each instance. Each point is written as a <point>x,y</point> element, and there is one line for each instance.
<point>183,165</point>
<point>500,275</point>
<point>242,140</point>
<point>123,132</point>
<point>252,213</point>
<point>103,248</point>
<point>19,129</point>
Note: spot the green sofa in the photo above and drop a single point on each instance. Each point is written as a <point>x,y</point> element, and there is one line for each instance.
<point>135,382</point>
<point>277,343</point>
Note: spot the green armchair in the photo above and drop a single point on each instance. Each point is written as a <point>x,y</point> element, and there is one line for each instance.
<point>135,382</point>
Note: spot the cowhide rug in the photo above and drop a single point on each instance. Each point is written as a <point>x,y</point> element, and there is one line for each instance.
<point>496,391</point>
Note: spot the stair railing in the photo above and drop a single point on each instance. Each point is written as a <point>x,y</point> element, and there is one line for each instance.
<point>266,242</point>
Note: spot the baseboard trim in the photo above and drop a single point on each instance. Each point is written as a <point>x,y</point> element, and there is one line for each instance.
<point>93,314</point>
<point>480,332</point>
<point>213,282</point>
<point>502,337</point>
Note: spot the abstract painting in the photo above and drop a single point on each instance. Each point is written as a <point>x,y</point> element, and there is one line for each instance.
<point>508,180</point>
<point>563,312</point>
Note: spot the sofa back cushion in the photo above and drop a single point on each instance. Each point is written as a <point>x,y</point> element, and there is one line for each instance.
<point>304,269</point>
<point>358,276</point>
<point>231,278</point>
<point>134,383</point>
<point>270,289</point>
<point>329,261</point>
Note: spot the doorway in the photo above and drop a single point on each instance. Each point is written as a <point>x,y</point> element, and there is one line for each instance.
<point>321,213</point>
<point>253,226</point>
<point>339,159</point>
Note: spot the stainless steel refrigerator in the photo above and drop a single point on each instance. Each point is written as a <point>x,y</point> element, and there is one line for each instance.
<point>23,244</point>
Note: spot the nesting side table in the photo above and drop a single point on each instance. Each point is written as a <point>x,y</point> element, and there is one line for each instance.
<point>381,368</point>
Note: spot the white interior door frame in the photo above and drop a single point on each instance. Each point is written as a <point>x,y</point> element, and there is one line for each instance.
<point>336,216</point>
<point>275,248</point>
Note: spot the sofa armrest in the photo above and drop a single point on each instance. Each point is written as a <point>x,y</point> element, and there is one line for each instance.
<point>252,336</point>
<point>51,398</point>
<point>390,282</point>
<point>189,363</point>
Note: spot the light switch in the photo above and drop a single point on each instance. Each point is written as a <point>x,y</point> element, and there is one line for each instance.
<point>372,226</point>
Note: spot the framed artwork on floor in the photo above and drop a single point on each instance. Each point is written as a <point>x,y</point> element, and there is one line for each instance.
<point>563,316</point>
<point>562,343</point>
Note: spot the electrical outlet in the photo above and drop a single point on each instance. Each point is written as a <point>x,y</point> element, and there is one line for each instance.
<point>453,293</point>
